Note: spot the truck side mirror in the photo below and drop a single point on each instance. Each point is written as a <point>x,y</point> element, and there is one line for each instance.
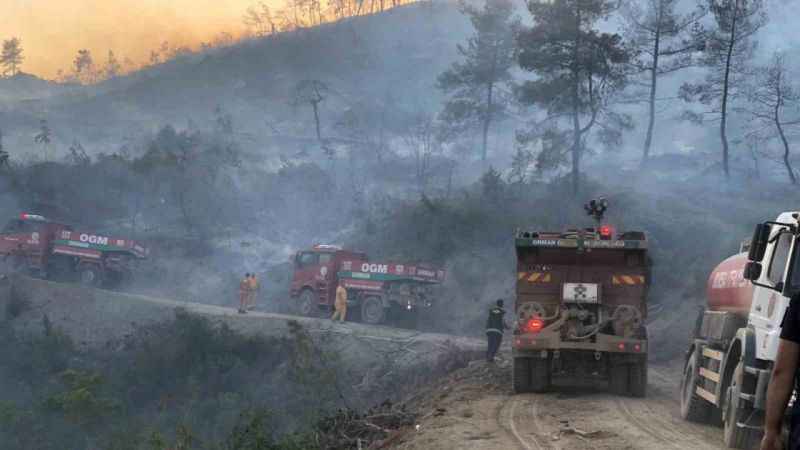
<point>752,271</point>
<point>758,245</point>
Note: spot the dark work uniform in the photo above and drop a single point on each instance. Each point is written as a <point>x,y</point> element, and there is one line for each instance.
<point>495,325</point>
<point>791,332</point>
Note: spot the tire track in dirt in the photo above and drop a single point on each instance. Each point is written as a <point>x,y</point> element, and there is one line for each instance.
<point>656,416</point>
<point>507,417</point>
<point>648,423</point>
<point>659,433</point>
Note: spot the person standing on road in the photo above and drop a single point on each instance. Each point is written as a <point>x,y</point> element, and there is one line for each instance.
<point>784,378</point>
<point>340,303</point>
<point>495,325</point>
<point>254,287</point>
<point>244,293</point>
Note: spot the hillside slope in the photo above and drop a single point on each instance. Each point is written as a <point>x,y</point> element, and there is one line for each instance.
<point>391,58</point>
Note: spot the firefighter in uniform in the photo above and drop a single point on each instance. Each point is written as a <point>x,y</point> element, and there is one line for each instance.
<point>253,285</point>
<point>340,304</point>
<point>244,293</point>
<point>495,325</point>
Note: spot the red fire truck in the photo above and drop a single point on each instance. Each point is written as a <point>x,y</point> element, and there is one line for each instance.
<point>376,291</point>
<point>48,249</point>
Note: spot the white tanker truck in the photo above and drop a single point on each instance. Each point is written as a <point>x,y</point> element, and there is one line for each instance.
<point>730,358</point>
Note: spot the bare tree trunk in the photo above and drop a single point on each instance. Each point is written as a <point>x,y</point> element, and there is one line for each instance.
<point>487,118</point>
<point>725,90</point>
<point>648,142</point>
<point>486,121</point>
<point>316,119</point>
<point>786,152</point>
<point>576,124</point>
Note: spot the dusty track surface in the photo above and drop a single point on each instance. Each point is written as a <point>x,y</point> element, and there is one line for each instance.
<point>475,409</point>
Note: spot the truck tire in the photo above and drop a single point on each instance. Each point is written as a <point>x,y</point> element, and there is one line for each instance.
<point>17,262</point>
<point>734,436</point>
<point>307,304</point>
<point>521,375</point>
<point>372,311</point>
<point>540,374</point>
<point>618,377</point>
<point>637,378</point>
<point>91,275</point>
<point>693,407</point>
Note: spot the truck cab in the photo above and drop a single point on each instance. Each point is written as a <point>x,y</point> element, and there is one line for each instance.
<point>37,246</point>
<point>26,241</point>
<point>314,278</point>
<point>775,277</point>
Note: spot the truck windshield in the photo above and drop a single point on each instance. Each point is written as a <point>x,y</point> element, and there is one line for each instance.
<point>308,259</point>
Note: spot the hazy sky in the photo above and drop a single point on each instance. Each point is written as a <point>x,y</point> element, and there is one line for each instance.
<point>53,30</point>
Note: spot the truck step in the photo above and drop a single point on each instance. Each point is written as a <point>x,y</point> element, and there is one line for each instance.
<point>708,396</point>
<point>713,354</point>
<point>709,374</point>
<point>748,397</point>
<point>752,370</point>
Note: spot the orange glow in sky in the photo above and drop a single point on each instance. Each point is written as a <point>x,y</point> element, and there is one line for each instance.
<point>52,31</point>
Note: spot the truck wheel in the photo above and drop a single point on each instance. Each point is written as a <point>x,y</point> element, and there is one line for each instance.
<point>520,376</point>
<point>637,378</point>
<point>91,275</point>
<point>618,377</point>
<point>17,262</point>
<point>372,311</point>
<point>735,436</point>
<point>540,374</point>
<point>306,304</point>
<point>693,407</point>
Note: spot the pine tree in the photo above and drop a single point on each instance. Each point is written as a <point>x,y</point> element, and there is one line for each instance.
<point>729,47</point>
<point>83,66</point>
<point>578,72</point>
<point>771,93</point>
<point>113,67</point>
<point>478,84</point>
<point>665,41</point>
<point>11,57</point>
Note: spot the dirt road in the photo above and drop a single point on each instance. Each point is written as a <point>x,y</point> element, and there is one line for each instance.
<point>478,411</point>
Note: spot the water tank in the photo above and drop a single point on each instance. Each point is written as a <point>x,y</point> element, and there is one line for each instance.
<point>727,290</point>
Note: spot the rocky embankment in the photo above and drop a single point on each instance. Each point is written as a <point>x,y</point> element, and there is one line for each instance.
<point>382,362</point>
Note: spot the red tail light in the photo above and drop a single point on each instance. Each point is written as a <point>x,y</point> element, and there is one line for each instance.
<point>534,325</point>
